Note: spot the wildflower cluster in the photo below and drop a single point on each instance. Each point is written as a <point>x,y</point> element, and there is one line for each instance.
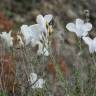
<point>39,33</point>
<point>36,34</point>
<point>81,29</point>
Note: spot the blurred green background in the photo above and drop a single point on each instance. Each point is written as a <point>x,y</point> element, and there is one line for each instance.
<point>25,11</point>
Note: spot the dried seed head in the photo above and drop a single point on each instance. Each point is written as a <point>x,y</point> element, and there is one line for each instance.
<point>87,15</point>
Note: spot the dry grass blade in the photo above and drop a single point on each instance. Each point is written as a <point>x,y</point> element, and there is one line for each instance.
<point>7,73</point>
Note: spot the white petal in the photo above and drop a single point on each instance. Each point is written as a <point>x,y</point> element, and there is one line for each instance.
<point>87,40</point>
<point>87,27</point>
<point>27,32</point>
<point>71,27</point>
<point>91,49</point>
<point>94,43</point>
<point>92,46</point>
<point>39,83</point>
<point>79,33</point>
<point>35,28</point>
<point>85,33</point>
<point>24,29</point>
<point>40,47</point>
<point>41,50</point>
<point>48,17</point>
<point>7,39</point>
<point>33,43</point>
<point>79,23</point>
<point>36,31</point>
<point>40,19</point>
<point>33,77</point>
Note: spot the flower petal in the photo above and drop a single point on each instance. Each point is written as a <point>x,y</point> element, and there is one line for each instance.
<point>71,27</point>
<point>39,83</point>
<point>33,77</point>
<point>94,43</point>
<point>27,32</point>
<point>91,49</point>
<point>48,17</point>
<point>79,23</point>
<point>40,47</point>
<point>40,19</point>
<point>87,40</point>
<point>7,39</point>
<point>87,27</point>
<point>85,33</point>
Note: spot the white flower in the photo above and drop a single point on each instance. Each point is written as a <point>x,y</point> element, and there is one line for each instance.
<point>79,27</point>
<point>36,33</point>
<point>31,32</point>
<point>12,39</point>
<point>91,43</point>
<point>8,40</point>
<point>32,35</point>
<point>27,34</point>
<point>33,77</point>
<point>41,50</point>
<point>37,83</point>
<point>44,22</point>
